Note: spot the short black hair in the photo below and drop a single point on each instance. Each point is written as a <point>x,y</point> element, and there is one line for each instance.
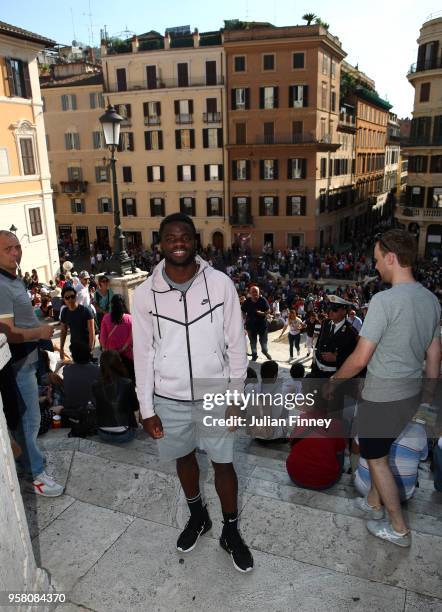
<point>177,218</point>
<point>297,370</point>
<point>66,289</point>
<point>269,370</point>
<point>80,352</point>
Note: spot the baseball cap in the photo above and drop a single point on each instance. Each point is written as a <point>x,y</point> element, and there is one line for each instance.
<point>84,274</point>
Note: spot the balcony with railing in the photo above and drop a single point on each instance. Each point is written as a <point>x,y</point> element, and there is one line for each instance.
<point>429,64</point>
<point>197,81</point>
<point>420,213</point>
<point>152,120</point>
<point>211,117</point>
<point>73,186</point>
<point>240,218</point>
<point>183,118</point>
<point>289,139</point>
<point>346,120</point>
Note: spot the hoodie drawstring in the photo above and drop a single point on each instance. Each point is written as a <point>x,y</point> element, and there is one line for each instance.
<point>208,297</point>
<point>156,312</point>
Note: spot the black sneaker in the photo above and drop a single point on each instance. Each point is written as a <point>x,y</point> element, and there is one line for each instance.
<point>239,551</point>
<point>192,531</point>
<point>269,357</point>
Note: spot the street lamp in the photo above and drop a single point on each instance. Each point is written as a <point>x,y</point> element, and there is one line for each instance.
<point>110,122</point>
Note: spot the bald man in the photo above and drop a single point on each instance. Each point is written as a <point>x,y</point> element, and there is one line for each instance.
<point>256,309</point>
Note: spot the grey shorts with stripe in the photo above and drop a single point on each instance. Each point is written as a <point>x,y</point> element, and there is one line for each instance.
<point>184,431</point>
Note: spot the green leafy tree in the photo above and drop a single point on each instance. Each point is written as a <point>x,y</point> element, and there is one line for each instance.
<point>324,24</point>
<point>309,17</point>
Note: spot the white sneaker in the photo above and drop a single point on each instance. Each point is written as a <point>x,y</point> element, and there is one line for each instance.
<point>368,511</point>
<point>383,530</point>
<point>44,485</point>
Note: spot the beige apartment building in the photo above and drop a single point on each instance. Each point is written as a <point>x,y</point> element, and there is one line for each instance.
<point>284,147</point>
<point>25,185</point>
<point>421,209</point>
<point>170,89</point>
<point>73,103</point>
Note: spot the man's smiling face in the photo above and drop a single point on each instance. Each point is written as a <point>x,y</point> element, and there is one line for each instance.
<point>178,244</point>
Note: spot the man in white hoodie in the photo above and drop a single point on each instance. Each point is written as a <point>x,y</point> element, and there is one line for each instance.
<point>188,333</point>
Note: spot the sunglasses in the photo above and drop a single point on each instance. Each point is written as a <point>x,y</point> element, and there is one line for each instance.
<point>335,308</point>
<point>70,297</point>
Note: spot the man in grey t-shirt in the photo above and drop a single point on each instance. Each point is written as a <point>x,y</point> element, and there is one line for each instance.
<point>400,332</point>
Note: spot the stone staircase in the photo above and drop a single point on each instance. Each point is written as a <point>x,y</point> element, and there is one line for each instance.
<point>109,541</point>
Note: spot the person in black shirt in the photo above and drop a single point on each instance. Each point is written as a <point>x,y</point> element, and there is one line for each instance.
<point>256,309</point>
<point>78,319</point>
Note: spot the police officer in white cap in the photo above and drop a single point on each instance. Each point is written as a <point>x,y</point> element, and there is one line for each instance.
<point>337,339</point>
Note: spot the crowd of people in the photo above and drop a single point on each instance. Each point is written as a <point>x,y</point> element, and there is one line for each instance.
<point>335,303</point>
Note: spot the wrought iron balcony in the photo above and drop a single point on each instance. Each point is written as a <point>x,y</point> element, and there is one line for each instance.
<point>241,219</point>
<point>184,118</point>
<point>430,64</point>
<point>211,117</point>
<point>152,120</point>
<point>192,81</point>
<point>73,186</point>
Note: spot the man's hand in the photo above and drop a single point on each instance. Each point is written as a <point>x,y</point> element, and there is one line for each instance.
<point>46,332</point>
<point>328,357</point>
<point>154,427</point>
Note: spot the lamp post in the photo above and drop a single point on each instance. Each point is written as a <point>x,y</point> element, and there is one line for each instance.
<point>110,122</point>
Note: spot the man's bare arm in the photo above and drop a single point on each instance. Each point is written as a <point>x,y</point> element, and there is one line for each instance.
<point>432,371</point>
<point>18,335</point>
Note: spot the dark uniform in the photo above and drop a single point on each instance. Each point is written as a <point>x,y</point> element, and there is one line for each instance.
<point>343,343</point>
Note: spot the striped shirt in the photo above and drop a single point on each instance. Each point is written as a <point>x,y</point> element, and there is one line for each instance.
<point>405,454</point>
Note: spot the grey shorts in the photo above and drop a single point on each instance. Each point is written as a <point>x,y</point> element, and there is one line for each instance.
<point>184,431</point>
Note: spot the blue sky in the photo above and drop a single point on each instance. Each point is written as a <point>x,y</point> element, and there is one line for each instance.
<point>379,35</point>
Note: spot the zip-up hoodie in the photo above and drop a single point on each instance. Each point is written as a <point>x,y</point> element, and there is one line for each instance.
<point>180,338</point>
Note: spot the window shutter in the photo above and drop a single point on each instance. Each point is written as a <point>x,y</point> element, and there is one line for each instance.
<point>10,78</point>
<point>100,205</point>
<point>220,172</point>
<point>305,96</point>
<point>193,205</point>
<point>67,141</point>
<point>291,96</point>
<point>276,206</point>
<point>190,107</point>
<point>124,207</point>
<point>178,139</point>
<point>74,101</point>
<point>261,207</point>
<point>179,173</point>
<point>276,97</point>
<point>261,97</point>
<point>149,174</point>
<point>64,102</point>
<point>303,205</point>
<point>145,109</point>
<point>247,98</point>
<point>233,99</point>
<point>430,197</point>
<point>234,172</point>
<point>261,169</point>
<point>220,137</point>
<point>205,138</point>
<point>27,80</point>
<point>97,174</point>
<point>176,106</point>
<point>92,104</point>
<point>288,206</point>
<point>192,139</point>
<point>128,111</point>
<point>182,205</point>
<point>206,172</point>
<point>192,172</point>
<point>162,174</point>
<point>248,169</point>
<point>73,208</point>
<point>76,141</point>
<point>160,139</point>
<point>130,136</point>
<point>304,169</point>
<point>152,208</point>
<point>147,141</point>
<point>134,207</point>
<point>249,207</point>
<point>163,208</point>
<point>289,168</point>
<point>158,108</point>
<point>208,208</point>
<point>95,138</point>
<point>275,169</point>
